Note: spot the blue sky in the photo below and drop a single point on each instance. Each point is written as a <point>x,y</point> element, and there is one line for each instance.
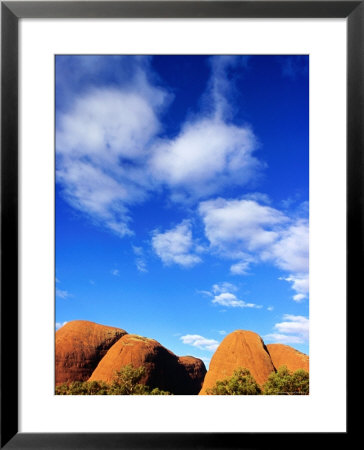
<point>182,196</point>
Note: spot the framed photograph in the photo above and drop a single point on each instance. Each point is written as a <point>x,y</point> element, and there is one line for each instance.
<point>181,221</point>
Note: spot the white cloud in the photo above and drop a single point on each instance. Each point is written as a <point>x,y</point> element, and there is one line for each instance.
<point>246,222</point>
<point>251,232</point>
<point>219,288</point>
<point>293,330</point>
<point>106,124</point>
<point>270,308</point>
<point>240,268</point>
<point>115,272</point>
<point>222,294</point>
<point>61,293</point>
<point>293,325</point>
<point>102,141</point>
<point>200,342</point>
<point>140,259</point>
<point>290,251</point>
<point>207,155</point>
<point>176,246</point>
<point>222,332</point>
<point>59,325</point>
<point>228,299</point>
<point>300,284</point>
<point>108,154</point>
<point>221,85</point>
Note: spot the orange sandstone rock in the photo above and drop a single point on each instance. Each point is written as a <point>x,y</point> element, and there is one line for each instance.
<point>284,355</point>
<point>243,349</point>
<point>79,346</point>
<point>163,369</point>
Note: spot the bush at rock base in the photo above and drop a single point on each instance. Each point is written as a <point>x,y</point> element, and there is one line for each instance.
<point>282,382</point>
<point>241,383</point>
<point>125,382</point>
<point>285,382</point>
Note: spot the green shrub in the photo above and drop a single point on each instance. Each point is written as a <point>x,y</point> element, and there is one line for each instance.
<point>83,388</point>
<point>284,382</point>
<point>241,383</point>
<point>125,382</point>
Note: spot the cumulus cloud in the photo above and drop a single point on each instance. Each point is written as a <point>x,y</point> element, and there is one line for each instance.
<point>109,152</point>
<point>176,246</point>
<point>200,342</point>
<point>293,329</point>
<point>290,251</point>
<point>252,232</point>
<point>99,145</point>
<point>207,154</point>
<point>103,136</point>
<point>246,222</point>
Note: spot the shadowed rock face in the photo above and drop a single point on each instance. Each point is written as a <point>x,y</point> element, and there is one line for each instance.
<point>243,349</point>
<point>80,345</point>
<point>163,368</point>
<point>196,371</point>
<point>284,355</point>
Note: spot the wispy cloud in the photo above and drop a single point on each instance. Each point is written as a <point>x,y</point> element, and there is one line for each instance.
<point>62,293</point>
<point>294,66</point>
<point>240,268</point>
<point>200,342</point>
<point>176,246</point>
<point>228,299</point>
<point>222,294</point>
<point>115,272</point>
<point>140,261</point>
<point>300,284</point>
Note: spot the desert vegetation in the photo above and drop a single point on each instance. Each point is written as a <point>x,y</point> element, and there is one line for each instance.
<point>126,382</point>
<point>282,382</point>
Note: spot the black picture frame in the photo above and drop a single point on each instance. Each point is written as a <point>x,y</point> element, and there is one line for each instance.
<point>11,12</point>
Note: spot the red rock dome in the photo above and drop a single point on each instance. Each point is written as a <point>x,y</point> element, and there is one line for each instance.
<point>243,349</point>
<point>163,369</point>
<point>79,346</point>
<point>284,355</point>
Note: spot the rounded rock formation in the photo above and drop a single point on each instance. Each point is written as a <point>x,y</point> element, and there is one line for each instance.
<point>196,371</point>
<point>243,349</point>
<point>163,369</point>
<point>79,346</point>
<point>284,355</point>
